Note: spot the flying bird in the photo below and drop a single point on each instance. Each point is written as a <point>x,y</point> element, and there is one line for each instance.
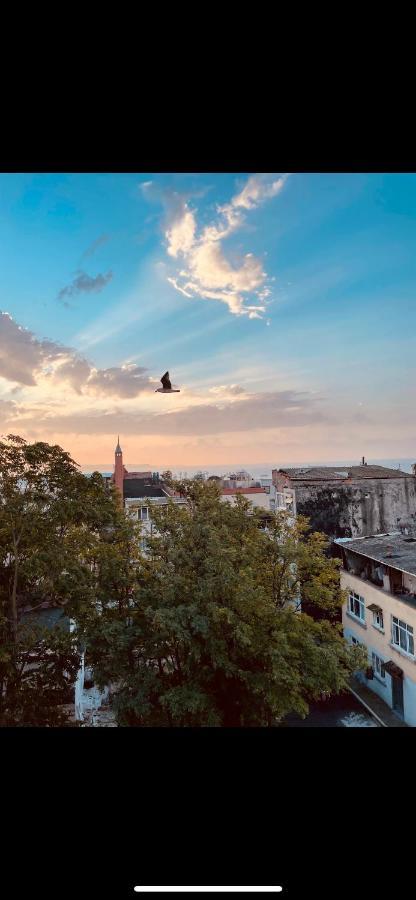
<point>166,386</point>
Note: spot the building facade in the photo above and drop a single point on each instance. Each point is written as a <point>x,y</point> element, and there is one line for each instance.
<point>86,698</point>
<point>265,498</point>
<point>350,501</point>
<point>139,492</point>
<point>379,575</point>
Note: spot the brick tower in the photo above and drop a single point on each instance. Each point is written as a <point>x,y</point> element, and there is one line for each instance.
<point>119,470</point>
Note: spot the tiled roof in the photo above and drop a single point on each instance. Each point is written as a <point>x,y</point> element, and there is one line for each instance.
<point>340,473</point>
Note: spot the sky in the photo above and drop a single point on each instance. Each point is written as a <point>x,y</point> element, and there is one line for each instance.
<point>282,304</point>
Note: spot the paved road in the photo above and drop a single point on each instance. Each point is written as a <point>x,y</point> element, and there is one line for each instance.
<point>337,712</point>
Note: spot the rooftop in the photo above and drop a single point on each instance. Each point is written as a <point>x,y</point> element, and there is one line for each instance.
<point>395,549</point>
<point>244,490</point>
<point>139,487</point>
<point>145,474</point>
<point>341,473</point>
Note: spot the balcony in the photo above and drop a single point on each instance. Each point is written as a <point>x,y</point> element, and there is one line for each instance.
<point>404,597</point>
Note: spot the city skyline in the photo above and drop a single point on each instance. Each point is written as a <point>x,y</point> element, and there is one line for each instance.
<point>282,305</point>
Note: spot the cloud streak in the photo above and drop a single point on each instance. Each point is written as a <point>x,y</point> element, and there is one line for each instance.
<point>85,284</point>
<point>95,246</point>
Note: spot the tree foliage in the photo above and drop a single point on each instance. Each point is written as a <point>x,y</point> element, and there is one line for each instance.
<point>212,633</point>
<point>62,545</point>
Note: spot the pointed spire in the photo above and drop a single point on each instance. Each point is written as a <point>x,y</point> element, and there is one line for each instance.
<point>118,448</point>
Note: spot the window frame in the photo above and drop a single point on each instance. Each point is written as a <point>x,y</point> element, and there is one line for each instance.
<point>356,642</point>
<point>378,614</point>
<point>378,665</point>
<point>402,628</point>
<point>353,597</point>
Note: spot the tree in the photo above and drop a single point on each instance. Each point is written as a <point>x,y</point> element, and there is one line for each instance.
<point>213,634</point>
<point>63,545</point>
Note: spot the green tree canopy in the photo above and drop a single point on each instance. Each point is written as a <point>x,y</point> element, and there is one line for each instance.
<point>64,543</point>
<point>213,634</point>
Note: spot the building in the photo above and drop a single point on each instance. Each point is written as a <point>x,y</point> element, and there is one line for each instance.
<point>140,491</point>
<point>125,481</point>
<point>379,574</point>
<point>140,508</point>
<point>238,479</point>
<point>350,501</point>
<point>84,698</point>
<point>265,498</point>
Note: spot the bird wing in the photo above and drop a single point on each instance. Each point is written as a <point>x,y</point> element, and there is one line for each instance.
<point>166,381</point>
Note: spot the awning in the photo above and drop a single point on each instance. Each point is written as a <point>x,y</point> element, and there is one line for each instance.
<point>392,669</point>
<point>374,607</point>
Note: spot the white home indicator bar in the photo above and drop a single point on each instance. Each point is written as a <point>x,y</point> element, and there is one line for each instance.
<point>187,889</point>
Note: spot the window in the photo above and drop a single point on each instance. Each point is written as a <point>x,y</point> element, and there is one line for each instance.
<point>378,621</point>
<point>378,666</point>
<point>356,643</point>
<point>356,606</point>
<point>143,545</point>
<point>144,513</point>
<point>402,635</point>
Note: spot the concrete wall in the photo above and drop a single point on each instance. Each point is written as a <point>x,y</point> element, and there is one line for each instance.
<point>344,510</point>
<point>380,642</point>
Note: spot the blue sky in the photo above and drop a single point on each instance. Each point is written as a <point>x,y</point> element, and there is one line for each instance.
<point>282,304</point>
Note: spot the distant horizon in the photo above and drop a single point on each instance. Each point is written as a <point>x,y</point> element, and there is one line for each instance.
<point>405,464</point>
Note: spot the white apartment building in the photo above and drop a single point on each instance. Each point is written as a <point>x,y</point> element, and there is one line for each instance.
<point>379,574</point>
<point>265,497</point>
<point>140,509</point>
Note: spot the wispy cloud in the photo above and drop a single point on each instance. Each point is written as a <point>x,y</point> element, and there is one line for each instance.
<point>205,271</point>
<point>85,284</point>
<point>95,246</point>
<point>253,412</point>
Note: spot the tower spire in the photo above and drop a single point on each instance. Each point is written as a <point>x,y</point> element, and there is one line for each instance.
<point>119,469</point>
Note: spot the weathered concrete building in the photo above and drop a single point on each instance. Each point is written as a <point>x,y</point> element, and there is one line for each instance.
<point>352,501</point>
<point>379,576</point>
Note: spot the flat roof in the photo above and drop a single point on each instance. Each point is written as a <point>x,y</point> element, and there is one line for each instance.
<point>339,473</point>
<point>395,549</point>
<point>137,488</point>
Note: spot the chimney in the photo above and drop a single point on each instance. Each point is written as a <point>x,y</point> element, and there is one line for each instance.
<point>363,462</point>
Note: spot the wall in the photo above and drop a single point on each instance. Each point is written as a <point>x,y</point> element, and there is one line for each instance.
<point>343,510</point>
<point>409,582</point>
<point>259,501</point>
<point>379,642</point>
<point>79,690</point>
